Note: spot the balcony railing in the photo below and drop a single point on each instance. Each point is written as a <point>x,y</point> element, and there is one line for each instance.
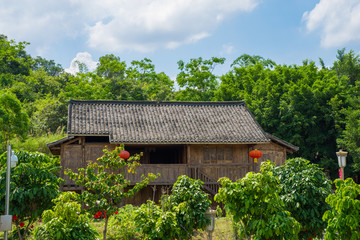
<point>208,173</point>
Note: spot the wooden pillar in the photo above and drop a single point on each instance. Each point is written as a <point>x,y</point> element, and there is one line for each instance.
<point>62,166</point>
<point>188,154</point>
<point>83,161</point>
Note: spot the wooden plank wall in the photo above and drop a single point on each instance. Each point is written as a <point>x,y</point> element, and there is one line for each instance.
<point>223,160</point>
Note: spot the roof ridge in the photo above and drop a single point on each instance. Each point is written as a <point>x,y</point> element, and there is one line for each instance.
<point>157,102</point>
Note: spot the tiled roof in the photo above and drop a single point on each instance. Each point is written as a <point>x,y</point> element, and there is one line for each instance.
<point>282,142</point>
<point>165,122</point>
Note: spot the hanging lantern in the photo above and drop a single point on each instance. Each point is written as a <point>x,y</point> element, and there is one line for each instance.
<point>255,154</point>
<point>124,154</point>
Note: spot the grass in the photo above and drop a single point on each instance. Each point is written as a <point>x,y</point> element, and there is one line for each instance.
<point>222,231</point>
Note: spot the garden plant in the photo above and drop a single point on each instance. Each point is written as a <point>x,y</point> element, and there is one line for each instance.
<point>256,206</point>
<point>304,188</point>
<point>64,221</point>
<point>179,215</point>
<point>343,219</point>
<point>34,184</point>
<point>106,185</point>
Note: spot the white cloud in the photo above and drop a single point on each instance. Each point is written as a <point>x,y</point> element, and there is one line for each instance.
<point>116,25</point>
<point>337,20</point>
<point>227,49</point>
<point>144,25</point>
<point>81,57</point>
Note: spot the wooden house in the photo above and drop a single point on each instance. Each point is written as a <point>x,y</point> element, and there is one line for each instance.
<point>204,140</point>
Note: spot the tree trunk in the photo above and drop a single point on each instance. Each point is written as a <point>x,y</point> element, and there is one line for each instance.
<point>19,233</point>
<point>105,228</point>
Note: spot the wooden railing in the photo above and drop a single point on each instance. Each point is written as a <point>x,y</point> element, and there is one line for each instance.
<point>168,173</point>
<point>208,173</point>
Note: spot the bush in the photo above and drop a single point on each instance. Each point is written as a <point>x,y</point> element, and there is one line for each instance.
<point>64,221</point>
<point>34,184</point>
<point>256,206</point>
<point>304,190</point>
<point>122,224</point>
<point>344,217</point>
<point>180,214</point>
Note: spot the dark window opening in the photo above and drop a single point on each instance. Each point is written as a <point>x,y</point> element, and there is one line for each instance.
<point>165,155</point>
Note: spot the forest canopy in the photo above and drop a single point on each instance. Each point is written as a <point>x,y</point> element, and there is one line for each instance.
<point>312,106</point>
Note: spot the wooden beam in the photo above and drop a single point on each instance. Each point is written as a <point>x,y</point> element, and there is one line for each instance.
<point>69,142</point>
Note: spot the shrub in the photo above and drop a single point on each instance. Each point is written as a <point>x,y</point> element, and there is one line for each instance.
<point>64,221</point>
<point>304,190</point>
<point>122,224</point>
<point>344,217</point>
<point>179,215</point>
<point>255,204</point>
<point>34,184</point>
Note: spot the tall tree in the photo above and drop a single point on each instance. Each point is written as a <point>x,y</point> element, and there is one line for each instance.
<point>290,102</point>
<point>13,120</point>
<point>197,79</point>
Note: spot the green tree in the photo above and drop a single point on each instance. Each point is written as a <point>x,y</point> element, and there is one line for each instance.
<point>13,58</point>
<point>255,204</point>
<point>246,60</point>
<point>156,223</point>
<point>48,115</point>
<point>290,102</point>
<point>350,137</point>
<point>64,221</point>
<point>347,65</point>
<point>180,214</point>
<point>13,120</point>
<point>190,203</point>
<point>197,79</point>
<point>343,220</point>
<point>49,66</point>
<point>106,184</point>
<point>304,188</point>
<point>34,184</point>
<point>157,86</point>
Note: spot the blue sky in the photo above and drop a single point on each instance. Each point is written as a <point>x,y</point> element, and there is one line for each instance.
<point>286,31</point>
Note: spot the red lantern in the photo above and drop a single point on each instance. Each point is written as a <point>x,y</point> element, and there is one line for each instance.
<point>124,154</point>
<point>255,154</point>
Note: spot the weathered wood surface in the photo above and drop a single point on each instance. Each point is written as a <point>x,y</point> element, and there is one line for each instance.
<point>208,173</point>
<point>168,172</point>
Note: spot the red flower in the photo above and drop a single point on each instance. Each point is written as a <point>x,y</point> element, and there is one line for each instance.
<point>22,224</point>
<point>310,238</point>
<point>39,220</point>
<point>98,213</point>
<point>14,217</point>
<point>96,216</point>
<point>314,234</point>
<point>32,226</point>
<point>116,212</point>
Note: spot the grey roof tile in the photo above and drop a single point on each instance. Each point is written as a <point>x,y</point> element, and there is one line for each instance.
<point>165,122</point>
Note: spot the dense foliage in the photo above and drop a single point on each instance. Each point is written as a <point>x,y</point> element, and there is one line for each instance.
<point>34,184</point>
<point>255,204</point>
<point>13,120</point>
<point>304,188</point>
<point>313,107</point>
<point>179,215</point>
<point>343,220</point>
<point>105,183</point>
<point>64,221</point>
<point>122,224</point>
